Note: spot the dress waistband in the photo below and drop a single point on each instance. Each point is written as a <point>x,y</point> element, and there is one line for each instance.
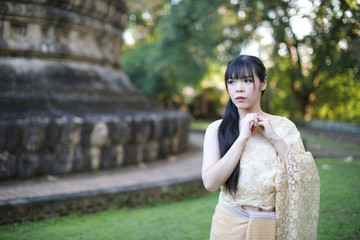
<point>246,215</point>
<point>257,209</point>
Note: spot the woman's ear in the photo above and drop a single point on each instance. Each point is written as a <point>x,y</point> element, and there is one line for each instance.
<point>264,84</point>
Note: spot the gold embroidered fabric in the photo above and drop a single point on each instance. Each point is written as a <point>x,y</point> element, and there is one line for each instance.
<point>292,185</point>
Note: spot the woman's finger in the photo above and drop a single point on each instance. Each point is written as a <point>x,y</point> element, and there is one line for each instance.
<point>260,118</point>
<point>251,126</point>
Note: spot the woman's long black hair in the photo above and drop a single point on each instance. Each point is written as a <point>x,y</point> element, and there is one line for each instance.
<point>240,67</point>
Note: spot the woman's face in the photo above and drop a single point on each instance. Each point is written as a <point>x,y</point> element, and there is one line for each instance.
<point>245,93</point>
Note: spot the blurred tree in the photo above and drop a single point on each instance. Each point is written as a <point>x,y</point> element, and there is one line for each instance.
<point>143,18</point>
<point>338,97</point>
<point>178,50</point>
<point>311,50</point>
<point>312,41</point>
<point>207,104</point>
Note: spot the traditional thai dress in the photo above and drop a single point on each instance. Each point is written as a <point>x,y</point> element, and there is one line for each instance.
<point>291,186</point>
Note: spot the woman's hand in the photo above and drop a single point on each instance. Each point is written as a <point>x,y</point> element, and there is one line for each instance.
<point>248,125</point>
<point>266,128</point>
<point>268,132</point>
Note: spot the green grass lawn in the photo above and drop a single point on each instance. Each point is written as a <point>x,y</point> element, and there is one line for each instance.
<point>340,199</point>
<point>191,218</point>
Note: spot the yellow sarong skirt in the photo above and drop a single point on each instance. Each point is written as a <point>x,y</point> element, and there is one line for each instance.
<point>230,223</point>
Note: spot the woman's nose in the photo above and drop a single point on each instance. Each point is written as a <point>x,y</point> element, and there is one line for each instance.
<point>239,87</point>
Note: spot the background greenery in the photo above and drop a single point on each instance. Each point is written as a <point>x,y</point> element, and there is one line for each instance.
<point>180,50</point>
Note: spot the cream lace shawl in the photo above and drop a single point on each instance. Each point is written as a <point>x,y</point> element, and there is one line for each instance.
<point>291,185</point>
<point>298,191</point>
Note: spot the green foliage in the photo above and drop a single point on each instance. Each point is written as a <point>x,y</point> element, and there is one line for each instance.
<point>139,65</point>
<point>282,100</point>
<point>338,97</point>
<point>177,55</point>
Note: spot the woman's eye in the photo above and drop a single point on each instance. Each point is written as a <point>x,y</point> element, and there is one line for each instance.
<point>231,82</point>
<point>248,80</point>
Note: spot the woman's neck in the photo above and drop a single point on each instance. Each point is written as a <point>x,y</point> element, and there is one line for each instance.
<point>243,112</point>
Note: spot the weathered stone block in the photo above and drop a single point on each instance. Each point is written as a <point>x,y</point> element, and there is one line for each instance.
<point>185,122</point>
<point>118,153</point>
<point>134,154</point>
<point>63,159</point>
<point>46,161</point>
<point>86,131</point>
<point>106,160</point>
<point>86,158</point>
<point>70,131</point>
<point>7,165</point>
<point>175,144</point>
<point>53,132</point>
<point>99,134</point>
<point>170,125</point>
<point>183,146</point>
<point>151,151</point>
<point>27,164</point>
<point>112,123</point>
<point>95,155</point>
<point>2,136</point>
<point>119,130</point>
<point>141,128</point>
<point>33,134</point>
<point>79,160</point>
<point>157,126</point>
<point>165,147</point>
<point>13,137</point>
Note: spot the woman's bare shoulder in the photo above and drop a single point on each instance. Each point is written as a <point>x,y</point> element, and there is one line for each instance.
<point>213,128</point>
<point>211,136</point>
<point>214,125</point>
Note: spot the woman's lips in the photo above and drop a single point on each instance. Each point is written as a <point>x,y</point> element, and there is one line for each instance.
<point>240,99</point>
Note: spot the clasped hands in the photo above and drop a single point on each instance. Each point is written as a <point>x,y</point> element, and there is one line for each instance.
<point>253,121</point>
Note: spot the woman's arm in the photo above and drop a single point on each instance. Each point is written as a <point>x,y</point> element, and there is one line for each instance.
<point>216,170</point>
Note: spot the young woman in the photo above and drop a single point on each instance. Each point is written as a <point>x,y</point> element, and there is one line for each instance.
<point>270,186</point>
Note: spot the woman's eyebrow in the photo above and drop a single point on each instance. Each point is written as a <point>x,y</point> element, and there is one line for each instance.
<point>249,76</point>
<point>243,77</point>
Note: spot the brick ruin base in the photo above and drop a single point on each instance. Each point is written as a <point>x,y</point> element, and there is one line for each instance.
<point>41,146</point>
